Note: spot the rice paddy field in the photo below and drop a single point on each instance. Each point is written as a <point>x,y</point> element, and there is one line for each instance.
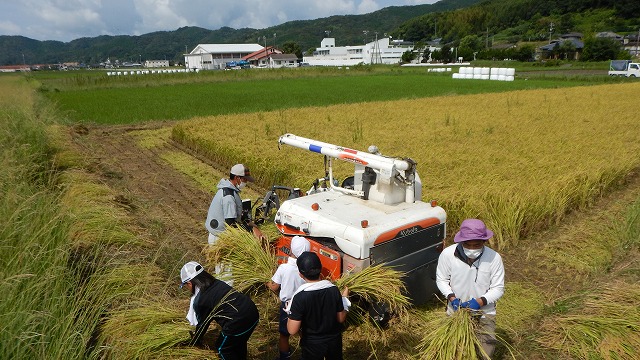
<point>105,185</point>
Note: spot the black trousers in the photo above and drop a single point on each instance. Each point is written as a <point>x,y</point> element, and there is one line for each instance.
<point>233,347</point>
<point>325,350</point>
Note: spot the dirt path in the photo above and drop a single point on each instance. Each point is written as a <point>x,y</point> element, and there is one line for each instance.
<point>168,206</point>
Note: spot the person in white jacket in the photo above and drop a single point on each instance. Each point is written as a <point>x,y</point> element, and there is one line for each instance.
<point>471,275</point>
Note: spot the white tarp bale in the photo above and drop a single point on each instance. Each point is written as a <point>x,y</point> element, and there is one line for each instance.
<point>502,71</point>
<point>493,77</point>
<point>485,71</point>
<point>456,76</point>
<point>502,77</point>
<point>509,78</point>
<point>494,71</point>
<point>511,72</point>
<point>477,71</point>
<point>484,77</point>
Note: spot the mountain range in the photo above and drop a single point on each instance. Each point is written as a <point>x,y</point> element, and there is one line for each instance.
<point>485,21</point>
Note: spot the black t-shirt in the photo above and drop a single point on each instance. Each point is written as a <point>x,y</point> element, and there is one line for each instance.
<point>236,312</point>
<point>318,311</point>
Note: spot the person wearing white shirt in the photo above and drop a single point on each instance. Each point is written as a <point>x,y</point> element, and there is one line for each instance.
<point>471,275</point>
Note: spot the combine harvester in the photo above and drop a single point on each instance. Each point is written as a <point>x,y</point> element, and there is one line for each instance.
<point>373,217</point>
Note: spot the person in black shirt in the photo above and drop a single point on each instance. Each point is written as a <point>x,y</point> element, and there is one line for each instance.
<point>213,299</point>
<point>317,310</point>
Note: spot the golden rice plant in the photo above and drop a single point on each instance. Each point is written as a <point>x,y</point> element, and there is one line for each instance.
<point>606,327</point>
<point>450,337</point>
<point>96,219</point>
<point>252,261</point>
<point>520,159</point>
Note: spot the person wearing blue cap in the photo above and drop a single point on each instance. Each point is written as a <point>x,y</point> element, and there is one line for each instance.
<point>214,300</point>
<point>471,275</point>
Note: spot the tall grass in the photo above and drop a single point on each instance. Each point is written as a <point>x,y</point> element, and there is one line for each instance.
<point>48,308</point>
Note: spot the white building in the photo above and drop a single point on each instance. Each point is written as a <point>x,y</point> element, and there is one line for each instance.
<point>215,56</point>
<point>382,51</point>
<point>156,63</point>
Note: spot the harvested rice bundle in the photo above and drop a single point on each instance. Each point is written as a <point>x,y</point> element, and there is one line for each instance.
<point>377,284</point>
<point>146,330</point>
<point>451,337</point>
<point>250,260</point>
<point>603,328</point>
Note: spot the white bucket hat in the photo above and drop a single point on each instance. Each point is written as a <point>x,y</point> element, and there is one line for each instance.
<point>189,271</point>
<point>299,245</point>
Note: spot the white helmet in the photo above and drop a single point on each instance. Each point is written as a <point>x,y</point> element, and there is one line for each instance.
<point>189,271</point>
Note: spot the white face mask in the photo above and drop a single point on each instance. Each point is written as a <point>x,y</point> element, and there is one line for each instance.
<point>473,253</point>
<point>242,185</point>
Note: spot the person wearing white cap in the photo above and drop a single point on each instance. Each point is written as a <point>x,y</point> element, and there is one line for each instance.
<point>287,280</point>
<point>226,205</point>
<point>214,300</point>
<point>471,275</point>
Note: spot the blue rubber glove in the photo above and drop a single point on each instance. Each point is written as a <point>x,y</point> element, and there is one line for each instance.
<point>455,304</point>
<point>471,304</point>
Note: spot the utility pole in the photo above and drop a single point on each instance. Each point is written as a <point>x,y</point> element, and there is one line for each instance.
<point>274,40</point>
<point>266,53</point>
<point>638,44</point>
<point>365,32</point>
<point>550,31</point>
<point>435,28</point>
<point>486,46</point>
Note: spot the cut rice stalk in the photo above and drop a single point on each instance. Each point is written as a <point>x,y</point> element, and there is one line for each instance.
<point>451,337</point>
<point>377,284</point>
<point>252,262</point>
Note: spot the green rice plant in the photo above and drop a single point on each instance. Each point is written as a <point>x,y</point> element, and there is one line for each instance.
<point>451,337</point>
<point>252,261</point>
<point>603,328</point>
<point>518,307</point>
<point>134,100</point>
<point>631,228</point>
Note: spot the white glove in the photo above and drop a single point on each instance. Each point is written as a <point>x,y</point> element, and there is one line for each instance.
<point>346,303</point>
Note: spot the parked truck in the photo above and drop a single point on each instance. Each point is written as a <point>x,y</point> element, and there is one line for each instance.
<point>624,68</point>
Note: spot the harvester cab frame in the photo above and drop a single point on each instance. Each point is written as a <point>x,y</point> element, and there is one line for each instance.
<point>374,217</point>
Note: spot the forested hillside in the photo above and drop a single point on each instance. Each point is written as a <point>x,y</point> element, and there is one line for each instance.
<point>528,20</point>
<point>170,45</point>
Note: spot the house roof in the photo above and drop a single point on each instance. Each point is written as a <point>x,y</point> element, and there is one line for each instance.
<point>575,42</point>
<point>226,48</point>
<point>261,54</point>
<point>291,57</point>
<point>609,34</point>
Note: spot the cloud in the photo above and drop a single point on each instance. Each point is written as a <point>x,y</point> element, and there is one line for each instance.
<point>66,20</point>
<point>8,27</point>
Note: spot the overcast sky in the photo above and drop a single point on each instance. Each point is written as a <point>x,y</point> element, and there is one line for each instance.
<point>66,20</point>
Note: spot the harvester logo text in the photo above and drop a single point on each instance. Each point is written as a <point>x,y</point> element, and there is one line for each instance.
<point>409,231</point>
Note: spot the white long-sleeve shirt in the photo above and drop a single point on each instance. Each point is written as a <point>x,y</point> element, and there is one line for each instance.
<point>484,278</point>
